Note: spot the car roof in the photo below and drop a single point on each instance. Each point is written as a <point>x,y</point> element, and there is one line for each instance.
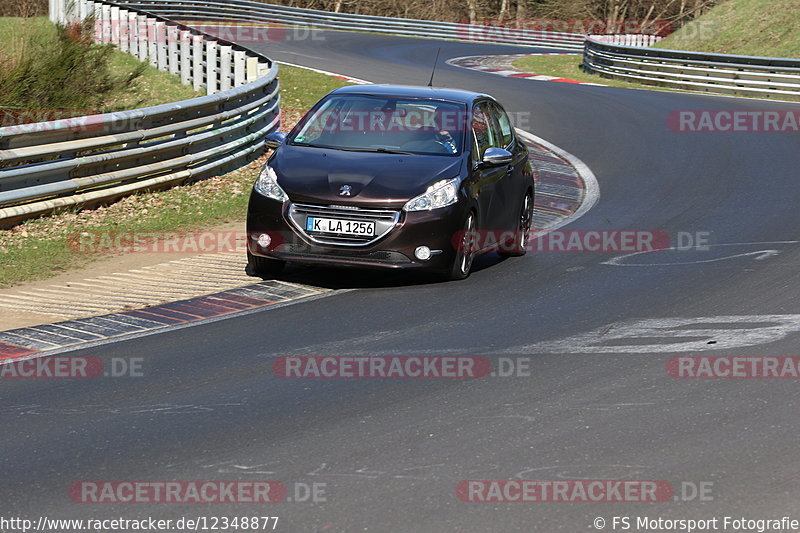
<point>415,91</point>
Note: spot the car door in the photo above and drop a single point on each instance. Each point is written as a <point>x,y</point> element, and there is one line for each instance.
<point>507,198</point>
<point>488,178</point>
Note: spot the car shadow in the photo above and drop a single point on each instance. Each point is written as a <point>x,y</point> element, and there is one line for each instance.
<point>358,278</point>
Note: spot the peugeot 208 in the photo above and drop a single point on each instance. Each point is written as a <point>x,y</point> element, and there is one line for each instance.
<point>391,177</point>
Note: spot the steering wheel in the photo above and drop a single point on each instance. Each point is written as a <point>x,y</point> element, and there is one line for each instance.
<point>446,141</point>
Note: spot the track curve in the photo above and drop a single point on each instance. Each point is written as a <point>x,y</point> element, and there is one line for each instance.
<point>391,453</point>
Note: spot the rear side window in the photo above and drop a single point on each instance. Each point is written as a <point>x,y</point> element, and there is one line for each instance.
<point>506,131</point>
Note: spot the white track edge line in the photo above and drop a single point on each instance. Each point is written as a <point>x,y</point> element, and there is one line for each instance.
<point>167,327</point>
<point>591,194</point>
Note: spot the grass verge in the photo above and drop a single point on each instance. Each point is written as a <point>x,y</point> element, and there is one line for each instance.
<point>122,81</point>
<point>743,27</point>
<point>567,66</point>
<point>38,249</point>
<point>153,87</point>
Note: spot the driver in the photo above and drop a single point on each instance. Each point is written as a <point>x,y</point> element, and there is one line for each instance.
<point>443,136</point>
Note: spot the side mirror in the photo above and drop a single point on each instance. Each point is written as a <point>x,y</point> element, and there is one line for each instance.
<point>275,139</point>
<point>497,156</point>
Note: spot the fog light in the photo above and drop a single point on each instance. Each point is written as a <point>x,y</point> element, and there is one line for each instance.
<point>264,240</point>
<point>423,253</point>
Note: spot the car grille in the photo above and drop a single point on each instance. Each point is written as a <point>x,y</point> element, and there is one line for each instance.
<point>384,220</point>
<point>382,256</point>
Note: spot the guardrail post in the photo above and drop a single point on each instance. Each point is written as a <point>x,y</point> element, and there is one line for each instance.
<point>239,68</point>
<point>161,46</point>
<point>173,59</point>
<point>115,30</point>
<point>105,23</point>
<point>152,42</point>
<point>133,34</point>
<point>70,11</point>
<point>124,31</point>
<point>186,56</point>
<point>141,36</point>
<point>212,66</point>
<point>225,67</point>
<point>83,9</point>
<point>252,69</point>
<point>197,62</point>
<point>93,10</point>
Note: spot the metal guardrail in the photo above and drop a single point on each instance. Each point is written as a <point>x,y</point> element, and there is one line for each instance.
<point>202,60</point>
<point>85,160</point>
<point>249,11</point>
<point>619,56</point>
<point>629,39</point>
<point>89,160</point>
<point>696,71</point>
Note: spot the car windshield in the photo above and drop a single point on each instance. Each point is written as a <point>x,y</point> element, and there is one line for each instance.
<point>387,124</point>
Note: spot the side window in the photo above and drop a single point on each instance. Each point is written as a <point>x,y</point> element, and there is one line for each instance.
<point>506,131</point>
<point>481,131</point>
<point>485,130</point>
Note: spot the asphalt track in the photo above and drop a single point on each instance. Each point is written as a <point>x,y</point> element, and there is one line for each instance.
<point>391,452</point>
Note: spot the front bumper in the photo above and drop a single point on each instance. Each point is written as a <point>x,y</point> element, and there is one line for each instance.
<point>435,229</point>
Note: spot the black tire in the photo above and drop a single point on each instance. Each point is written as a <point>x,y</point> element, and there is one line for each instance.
<point>522,235</point>
<point>462,263</point>
<point>261,267</point>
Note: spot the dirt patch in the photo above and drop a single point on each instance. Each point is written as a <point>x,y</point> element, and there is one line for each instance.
<point>12,318</point>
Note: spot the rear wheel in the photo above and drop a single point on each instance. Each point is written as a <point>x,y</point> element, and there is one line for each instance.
<point>261,267</point>
<point>523,234</point>
<point>464,255</point>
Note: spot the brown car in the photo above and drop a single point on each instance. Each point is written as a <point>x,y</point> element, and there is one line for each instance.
<point>391,177</point>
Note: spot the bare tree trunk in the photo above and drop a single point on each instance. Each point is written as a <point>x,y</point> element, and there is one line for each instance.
<point>520,11</point>
<point>616,14</point>
<point>503,10</point>
<point>472,9</point>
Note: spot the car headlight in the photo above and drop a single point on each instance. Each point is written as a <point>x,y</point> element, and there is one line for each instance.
<point>267,185</point>
<point>440,194</point>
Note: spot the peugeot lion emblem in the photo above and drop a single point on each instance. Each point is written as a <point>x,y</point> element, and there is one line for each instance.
<point>344,190</point>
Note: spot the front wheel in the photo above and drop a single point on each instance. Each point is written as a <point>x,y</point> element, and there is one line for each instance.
<point>464,255</point>
<point>523,234</point>
<point>261,267</point>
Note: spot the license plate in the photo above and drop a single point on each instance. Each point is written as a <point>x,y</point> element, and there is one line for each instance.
<point>346,227</point>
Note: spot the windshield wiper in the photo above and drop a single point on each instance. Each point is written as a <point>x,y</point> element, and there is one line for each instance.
<point>354,149</point>
<point>295,143</point>
<point>387,151</point>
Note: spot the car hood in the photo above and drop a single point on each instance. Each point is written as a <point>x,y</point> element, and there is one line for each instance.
<point>318,175</point>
